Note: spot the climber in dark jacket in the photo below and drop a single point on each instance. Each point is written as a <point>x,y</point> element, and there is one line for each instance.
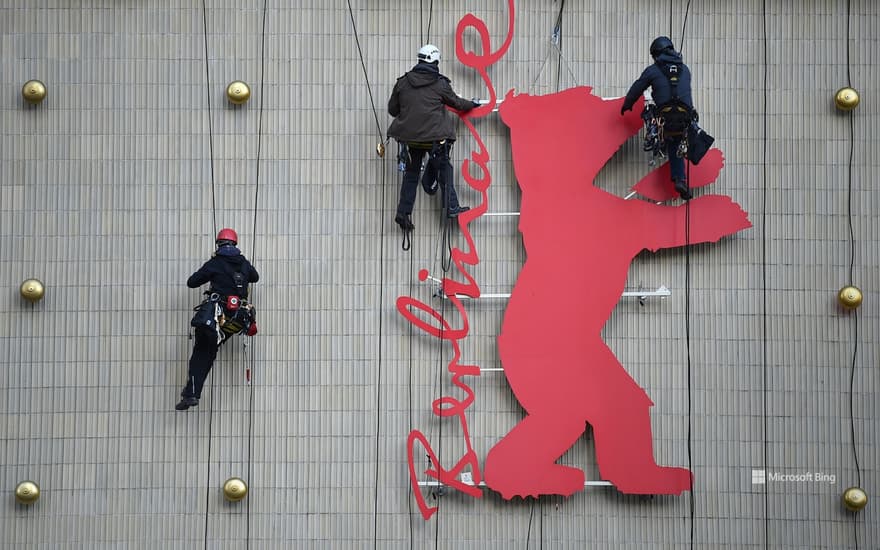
<point>668,68</point>
<point>229,274</point>
<point>424,125</point>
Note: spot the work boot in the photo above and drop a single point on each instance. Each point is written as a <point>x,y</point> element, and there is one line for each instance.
<point>683,191</point>
<point>187,402</point>
<point>404,221</point>
<point>454,212</point>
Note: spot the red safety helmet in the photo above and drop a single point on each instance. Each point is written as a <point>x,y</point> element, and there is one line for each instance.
<point>227,234</point>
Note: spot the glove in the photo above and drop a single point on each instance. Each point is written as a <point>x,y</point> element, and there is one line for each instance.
<point>476,102</point>
<point>624,109</point>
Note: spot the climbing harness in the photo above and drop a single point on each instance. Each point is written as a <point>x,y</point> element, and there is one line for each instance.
<point>225,315</point>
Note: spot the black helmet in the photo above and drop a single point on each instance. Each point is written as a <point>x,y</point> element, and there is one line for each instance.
<point>660,45</point>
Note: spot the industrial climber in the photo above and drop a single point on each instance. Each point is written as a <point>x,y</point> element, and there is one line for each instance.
<point>224,312</point>
<point>670,82</point>
<point>422,125</point>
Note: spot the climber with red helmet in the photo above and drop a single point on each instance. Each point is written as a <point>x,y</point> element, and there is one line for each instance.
<point>224,313</point>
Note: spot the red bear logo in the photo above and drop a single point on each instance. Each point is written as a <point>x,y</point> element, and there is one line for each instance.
<point>579,237</point>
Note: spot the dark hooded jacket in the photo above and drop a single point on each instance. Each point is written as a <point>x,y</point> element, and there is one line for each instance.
<point>418,105</point>
<point>655,77</point>
<point>228,271</point>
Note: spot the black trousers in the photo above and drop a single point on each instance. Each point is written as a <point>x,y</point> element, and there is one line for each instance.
<point>439,167</point>
<point>202,359</point>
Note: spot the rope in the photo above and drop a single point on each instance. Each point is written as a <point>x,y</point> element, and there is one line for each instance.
<point>529,530</point>
<point>440,420</point>
<point>852,259</point>
<point>684,26</point>
<point>687,317</point>
<point>364,67</point>
<point>252,356</point>
<point>381,288</point>
<point>381,263</point>
<point>557,33</point>
<point>764,375</point>
<point>210,121</point>
<point>410,395</point>
<point>430,19</point>
<point>214,213</point>
<point>687,332</point>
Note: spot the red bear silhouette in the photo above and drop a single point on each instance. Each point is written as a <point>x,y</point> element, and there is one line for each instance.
<point>580,241</point>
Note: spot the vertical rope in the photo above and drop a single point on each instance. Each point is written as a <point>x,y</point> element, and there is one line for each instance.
<point>764,339</point>
<point>210,121</point>
<point>381,209</point>
<point>852,259</point>
<point>252,357</point>
<point>687,333</point>
<point>214,214</point>
<point>557,31</point>
<point>687,9</point>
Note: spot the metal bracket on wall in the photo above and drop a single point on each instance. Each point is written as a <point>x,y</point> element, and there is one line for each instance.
<point>642,295</point>
<point>439,489</point>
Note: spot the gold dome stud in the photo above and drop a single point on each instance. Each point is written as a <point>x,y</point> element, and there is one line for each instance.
<point>33,91</point>
<point>850,297</point>
<point>846,99</point>
<point>27,492</point>
<point>855,499</point>
<point>238,92</point>
<point>32,290</point>
<point>235,489</point>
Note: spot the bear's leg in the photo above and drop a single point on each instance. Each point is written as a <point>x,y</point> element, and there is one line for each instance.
<point>624,451</point>
<point>523,462</point>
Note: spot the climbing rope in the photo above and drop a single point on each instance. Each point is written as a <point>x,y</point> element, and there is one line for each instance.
<point>252,359</point>
<point>852,256</point>
<point>381,286</point>
<point>687,308</point>
<point>214,213</point>
<point>210,121</point>
<point>764,374</point>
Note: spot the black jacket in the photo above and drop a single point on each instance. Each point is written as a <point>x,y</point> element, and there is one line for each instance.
<point>418,103</point>
<point>229,273</point>
<point>661,90</point>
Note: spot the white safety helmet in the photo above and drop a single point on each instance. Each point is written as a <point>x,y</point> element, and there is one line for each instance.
<point>429,53</point>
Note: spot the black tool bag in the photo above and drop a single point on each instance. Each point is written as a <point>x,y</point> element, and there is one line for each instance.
<point>206,314</point>
<point>699,143</point>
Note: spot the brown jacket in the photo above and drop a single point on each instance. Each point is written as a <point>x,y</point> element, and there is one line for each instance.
<point>418,105</point>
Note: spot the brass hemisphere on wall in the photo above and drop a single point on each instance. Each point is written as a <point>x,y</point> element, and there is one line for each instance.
<point>238,92</point>
<point>235,489</point>
<point>32,290</point>
<point>850,297</point>
<point>27,492</point>
<point>855,499</point>
<point>846,99</point>
<point>33,91</point>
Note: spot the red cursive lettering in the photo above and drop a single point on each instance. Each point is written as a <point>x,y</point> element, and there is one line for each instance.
<point>448,406</point>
